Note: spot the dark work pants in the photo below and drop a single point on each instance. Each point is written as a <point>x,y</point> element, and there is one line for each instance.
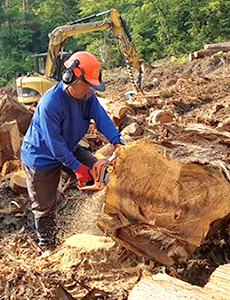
<point>42,189</point>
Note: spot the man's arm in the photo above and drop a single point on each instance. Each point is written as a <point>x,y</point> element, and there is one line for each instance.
<point>103,122</point>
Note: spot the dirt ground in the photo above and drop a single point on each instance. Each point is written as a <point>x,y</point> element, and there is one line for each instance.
<point>92,265</point>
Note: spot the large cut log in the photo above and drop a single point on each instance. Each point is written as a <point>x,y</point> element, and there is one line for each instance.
<point>9,142</point>
<point>163,286</point>
<point>11,109</point>
<point>162,208</point>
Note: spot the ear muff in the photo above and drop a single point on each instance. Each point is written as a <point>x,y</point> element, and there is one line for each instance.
<point>68,75</point>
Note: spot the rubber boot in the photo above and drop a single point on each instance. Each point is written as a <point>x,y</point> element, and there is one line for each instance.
<point>46,231</point>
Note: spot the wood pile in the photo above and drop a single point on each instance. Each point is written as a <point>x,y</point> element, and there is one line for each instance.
<point>210,49</point>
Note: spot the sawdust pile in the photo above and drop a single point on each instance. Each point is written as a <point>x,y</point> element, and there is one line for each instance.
<point>197,95</point>
<point>81,265</point>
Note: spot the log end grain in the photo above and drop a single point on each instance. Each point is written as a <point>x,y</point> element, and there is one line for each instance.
<point>18,182</point>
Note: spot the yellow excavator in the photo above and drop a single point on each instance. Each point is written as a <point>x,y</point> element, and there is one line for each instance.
<point>48,66</point>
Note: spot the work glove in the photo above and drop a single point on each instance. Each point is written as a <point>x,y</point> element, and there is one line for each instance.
<point>83,174</point>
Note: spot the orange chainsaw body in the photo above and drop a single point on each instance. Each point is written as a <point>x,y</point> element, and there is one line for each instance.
<point>99,172</point>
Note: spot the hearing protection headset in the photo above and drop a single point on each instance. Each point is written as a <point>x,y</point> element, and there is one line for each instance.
<point>68,75</point>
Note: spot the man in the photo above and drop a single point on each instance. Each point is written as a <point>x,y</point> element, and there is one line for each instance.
<point>61,119</point>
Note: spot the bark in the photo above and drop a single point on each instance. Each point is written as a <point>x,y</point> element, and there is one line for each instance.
<point>11,109</point>
<point>160,116</point>
<point>11,166</point>
<point>61,293</point>
<point>202,53</point>
<point>160,207</point>
<point>225,45</point>
<point>132,129</point>
<point>118,113</point>
<point>9,142</point>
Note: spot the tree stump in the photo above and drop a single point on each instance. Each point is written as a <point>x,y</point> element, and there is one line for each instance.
<point>162,208</point>
<point>18,182</point>
<point>11,109</point>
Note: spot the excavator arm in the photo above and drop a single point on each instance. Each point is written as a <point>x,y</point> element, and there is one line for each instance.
<point>59,35</point>
<point>38,83</point>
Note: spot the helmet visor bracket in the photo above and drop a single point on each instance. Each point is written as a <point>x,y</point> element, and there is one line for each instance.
<point>100,87</point>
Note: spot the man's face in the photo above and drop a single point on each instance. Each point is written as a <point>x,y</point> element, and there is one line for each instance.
<point>78,90</point>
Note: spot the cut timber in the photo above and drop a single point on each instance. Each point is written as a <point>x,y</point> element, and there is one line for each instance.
<point>10,166</point>
<point>224,45</point>
<point>132,129</point>
<point>104,152</point>
<point>218,283</point>
<point>162,208</point>
<point>9,142</point>
<point>162,286</point>
<point>160,116</point>
<point>84,143</point>
<point>118,112</point>
<point>202,53</point>
<point>18,182</point>
<point>11,109</point>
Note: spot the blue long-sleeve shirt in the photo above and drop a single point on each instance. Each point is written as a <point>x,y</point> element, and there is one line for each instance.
<point>58,124</point>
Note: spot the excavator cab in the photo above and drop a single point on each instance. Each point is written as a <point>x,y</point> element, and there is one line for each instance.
<point>31,87</point>
<point>40,64</point>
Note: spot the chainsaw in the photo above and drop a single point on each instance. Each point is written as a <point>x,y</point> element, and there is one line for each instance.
<point>100,173</point>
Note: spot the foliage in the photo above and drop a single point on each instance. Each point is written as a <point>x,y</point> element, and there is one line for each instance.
<point>159,28</point>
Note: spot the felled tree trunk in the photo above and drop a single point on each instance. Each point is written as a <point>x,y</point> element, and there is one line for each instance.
<point>11,109</point>
<point>162,208</point>
<point>220,46</point>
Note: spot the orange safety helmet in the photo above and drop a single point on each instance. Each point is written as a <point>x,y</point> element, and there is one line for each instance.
<point>83,65</point>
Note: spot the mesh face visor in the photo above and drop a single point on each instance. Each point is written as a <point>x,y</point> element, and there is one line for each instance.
<point>99,87</point>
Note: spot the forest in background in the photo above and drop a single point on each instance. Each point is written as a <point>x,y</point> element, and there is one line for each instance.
<point>159,28</point>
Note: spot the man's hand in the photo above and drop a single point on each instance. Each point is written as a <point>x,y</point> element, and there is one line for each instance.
<point>118,144</point>
<point>83,174</point>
